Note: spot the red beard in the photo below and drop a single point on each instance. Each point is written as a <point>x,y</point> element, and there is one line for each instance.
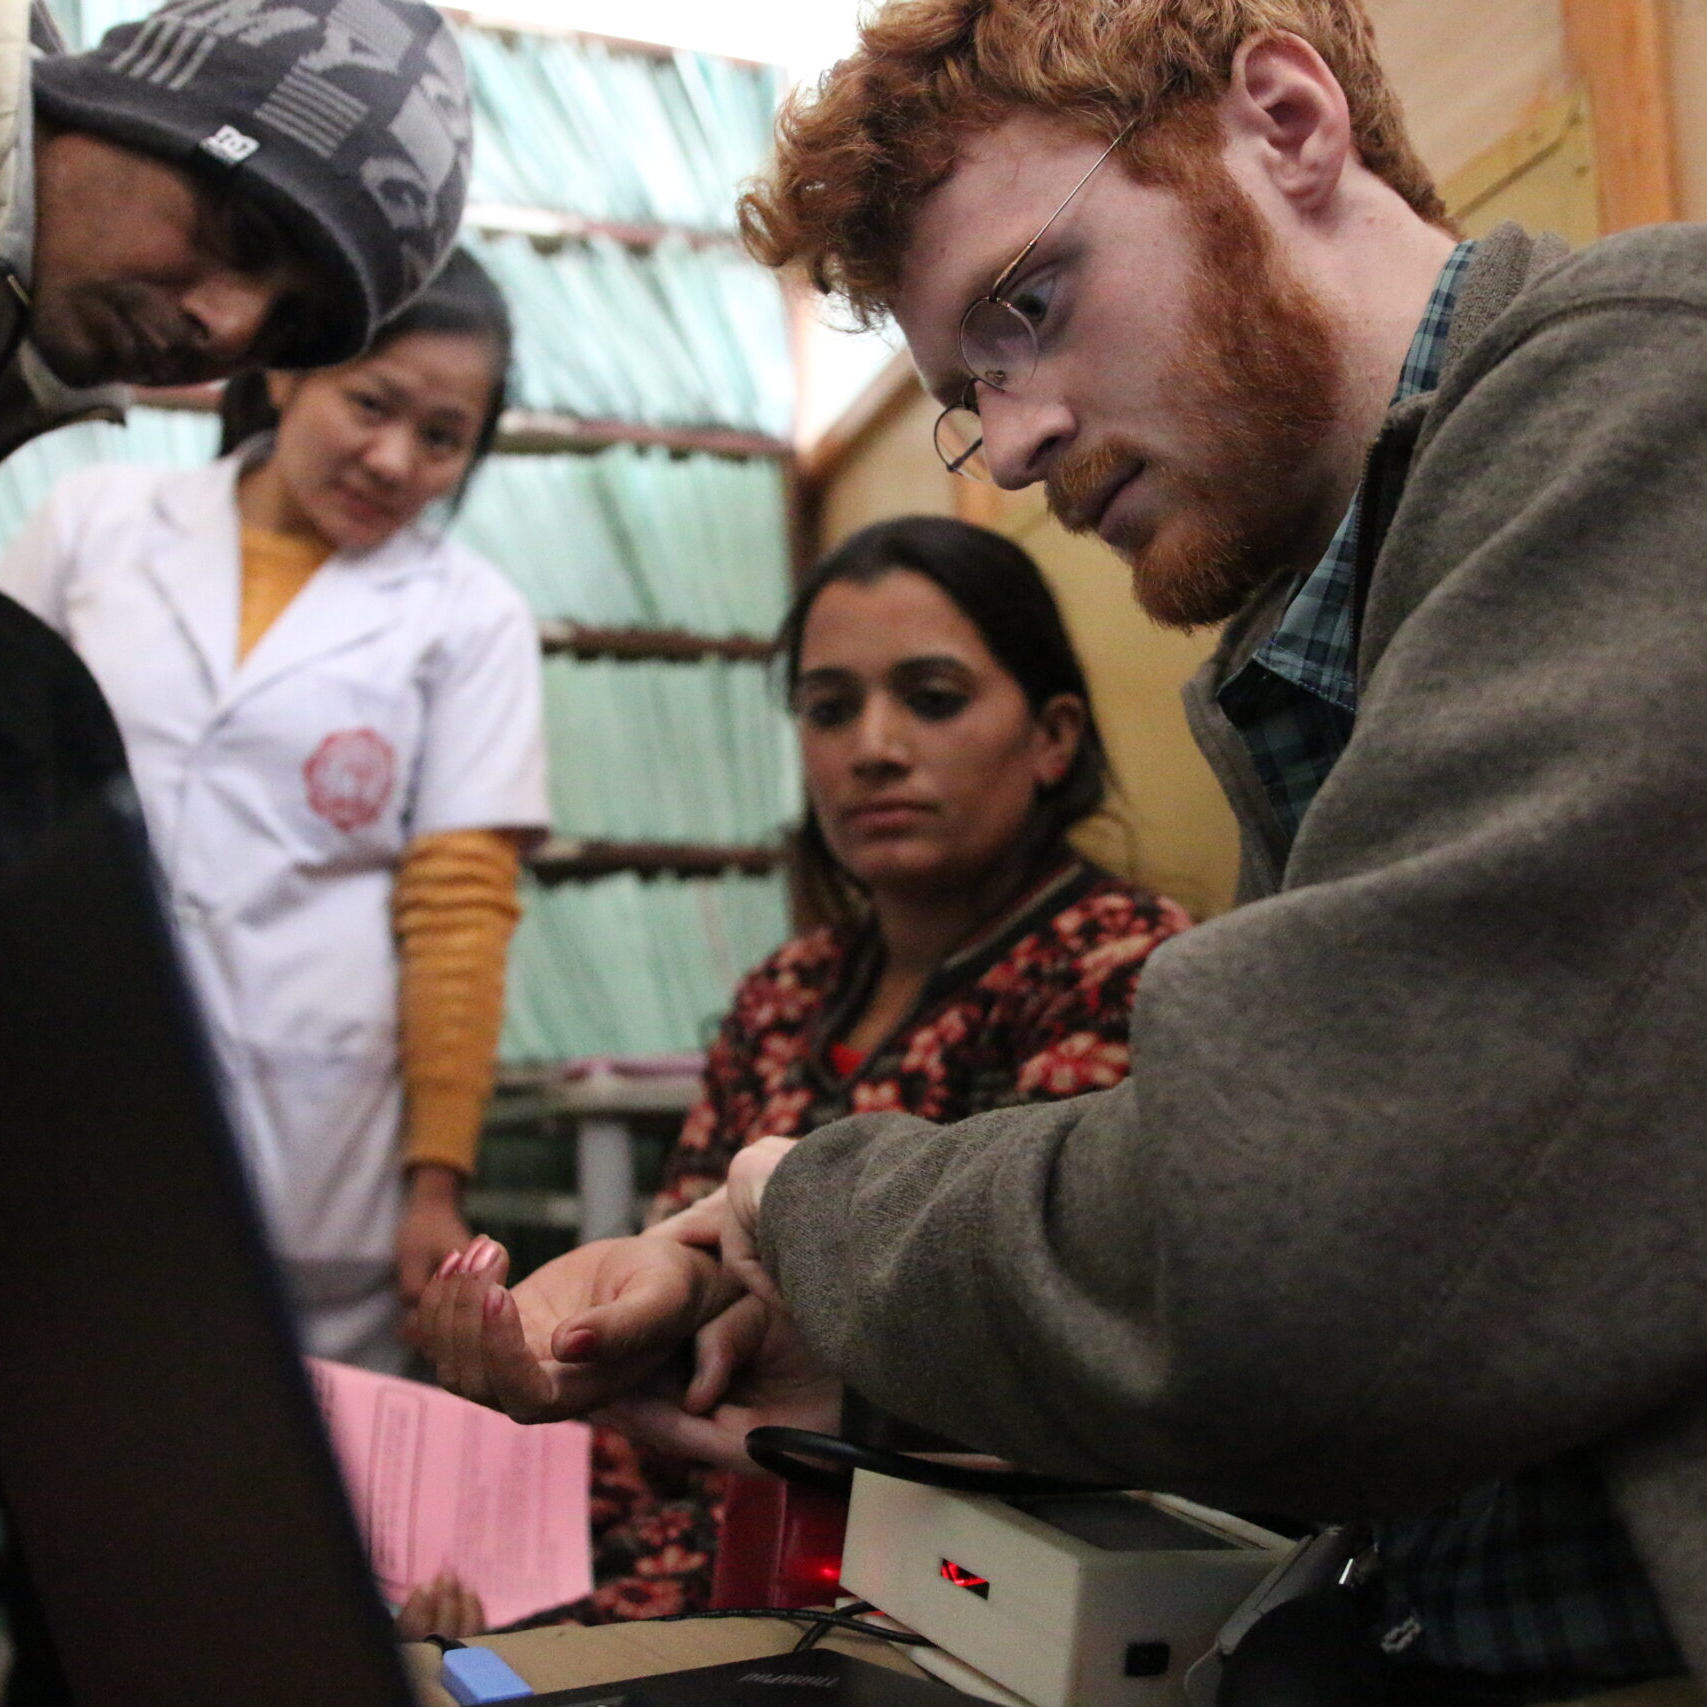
<point>1257,386</point>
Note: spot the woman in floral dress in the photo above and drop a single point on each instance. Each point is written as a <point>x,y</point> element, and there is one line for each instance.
<point>970,957</point>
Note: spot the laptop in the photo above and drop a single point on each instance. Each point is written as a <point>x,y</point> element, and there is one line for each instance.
<point>168,1480</point>
<point>169,1483</point>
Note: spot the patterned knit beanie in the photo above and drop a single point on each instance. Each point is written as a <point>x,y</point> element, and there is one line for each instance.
<point>347,120</point>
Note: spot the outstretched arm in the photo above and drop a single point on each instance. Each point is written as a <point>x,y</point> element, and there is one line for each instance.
<point>575,1334</point>
<point>1403,1192</point>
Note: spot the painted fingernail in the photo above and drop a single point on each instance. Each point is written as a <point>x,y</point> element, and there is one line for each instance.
<point>448,1264</point>
<point>492,1303</point>
<point>487,1256</point>
<point>578,1346</point>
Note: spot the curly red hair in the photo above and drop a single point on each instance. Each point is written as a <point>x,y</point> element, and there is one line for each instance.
<point>885,126</point>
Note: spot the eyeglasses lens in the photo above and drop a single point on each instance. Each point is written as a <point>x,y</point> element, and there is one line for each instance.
<point>998,345</point>
<point>960,444</point>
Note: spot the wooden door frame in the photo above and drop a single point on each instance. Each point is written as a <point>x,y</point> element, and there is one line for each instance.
<point>1619,53</point>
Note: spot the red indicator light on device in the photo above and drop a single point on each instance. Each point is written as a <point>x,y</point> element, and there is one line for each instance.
<point>963,1578</point>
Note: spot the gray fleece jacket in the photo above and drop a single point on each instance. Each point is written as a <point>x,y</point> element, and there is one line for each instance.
<point>1408,1188</point>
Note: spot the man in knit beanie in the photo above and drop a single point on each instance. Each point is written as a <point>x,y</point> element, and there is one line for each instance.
<point>228,180</point>
<point>225,184</point>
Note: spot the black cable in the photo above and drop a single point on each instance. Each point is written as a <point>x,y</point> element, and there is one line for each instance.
<point>821,1627</point>
<point>805,1615</point>
<point>780,1450</point>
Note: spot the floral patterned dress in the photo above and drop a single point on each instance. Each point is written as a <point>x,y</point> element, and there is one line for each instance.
<point>1034,1008</point>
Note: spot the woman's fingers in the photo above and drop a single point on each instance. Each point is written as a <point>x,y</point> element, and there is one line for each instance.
<point>724,1345</point>
<point>480,1269</point>
<point>718,1441</point>
<point>445,1606</point>
<point>657,1293</point>
<point>470,1614</point>
<point>417,1616</point>
<point>518,1383</point>
<point>452,1318</point>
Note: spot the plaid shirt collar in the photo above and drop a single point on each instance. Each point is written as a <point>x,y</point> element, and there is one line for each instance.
<point>1294,700</point>
<point>1314,646</point>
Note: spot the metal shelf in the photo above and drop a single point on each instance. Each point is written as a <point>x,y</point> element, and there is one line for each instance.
<point>538,432</point>
<point>650,645</point>
<point>562,860</point>
<point>551,228</point>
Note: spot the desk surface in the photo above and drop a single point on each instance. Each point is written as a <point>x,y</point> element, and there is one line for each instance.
<point>569,1656</point>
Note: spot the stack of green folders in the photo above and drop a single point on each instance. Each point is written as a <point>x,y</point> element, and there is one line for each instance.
<point>640,538</point>
<point>669,752</point>
<point>624,966</point>
<point>170,438</point>
<point>668,336</point>
<point>571,125</point>
<point>630,137</point>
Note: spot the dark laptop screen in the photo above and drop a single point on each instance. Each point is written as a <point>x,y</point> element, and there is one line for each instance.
<point>165,1468</point>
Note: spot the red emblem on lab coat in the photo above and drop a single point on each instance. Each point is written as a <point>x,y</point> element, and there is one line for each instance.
<point>350,776</point>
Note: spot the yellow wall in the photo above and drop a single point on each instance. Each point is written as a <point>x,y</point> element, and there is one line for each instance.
<point>1490,105</point>
<point>1469,72</point>
<point>1686,26</point>
<point>892,472</point>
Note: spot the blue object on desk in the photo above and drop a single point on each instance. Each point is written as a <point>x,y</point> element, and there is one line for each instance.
<point>477,1674</point>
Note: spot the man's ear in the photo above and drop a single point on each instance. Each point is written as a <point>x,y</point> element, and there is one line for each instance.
<point>1285,111</point>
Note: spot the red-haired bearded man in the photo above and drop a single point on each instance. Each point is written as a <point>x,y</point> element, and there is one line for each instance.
<point>1398,1218</point>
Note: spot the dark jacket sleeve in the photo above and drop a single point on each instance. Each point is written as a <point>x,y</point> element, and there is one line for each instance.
<point>1406,1188</point>
<point>58,741</point>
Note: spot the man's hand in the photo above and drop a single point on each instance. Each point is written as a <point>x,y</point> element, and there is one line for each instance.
<point>749,1174</point>
<point>753,1368</point>
<point>729,1217</point>
<point>579,1332</point>
<point>431,1229</point>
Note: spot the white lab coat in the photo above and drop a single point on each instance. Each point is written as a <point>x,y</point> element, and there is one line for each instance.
<point>397,695</point>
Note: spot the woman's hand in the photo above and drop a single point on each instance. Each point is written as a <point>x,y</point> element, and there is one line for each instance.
<point>580,1331</point>
<point>753,1368</point>
<point>446,1606</point>
<point>431,1229</point>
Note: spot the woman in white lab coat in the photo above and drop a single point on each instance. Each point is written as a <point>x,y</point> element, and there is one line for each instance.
<point>332,714</point>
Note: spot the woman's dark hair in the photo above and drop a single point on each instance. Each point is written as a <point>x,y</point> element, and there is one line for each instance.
<point>1002,593</point>
<point>462,298</point>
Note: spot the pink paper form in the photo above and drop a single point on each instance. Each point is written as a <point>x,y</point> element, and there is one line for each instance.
<point>438,1484</point>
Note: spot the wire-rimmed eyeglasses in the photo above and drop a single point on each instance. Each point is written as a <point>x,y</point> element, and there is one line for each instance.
<point>998,348</point>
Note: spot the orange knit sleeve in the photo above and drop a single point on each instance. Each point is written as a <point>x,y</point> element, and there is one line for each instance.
<point>453,909</point>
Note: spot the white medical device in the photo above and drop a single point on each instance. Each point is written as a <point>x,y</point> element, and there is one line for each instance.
<point>1077,1600</point>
